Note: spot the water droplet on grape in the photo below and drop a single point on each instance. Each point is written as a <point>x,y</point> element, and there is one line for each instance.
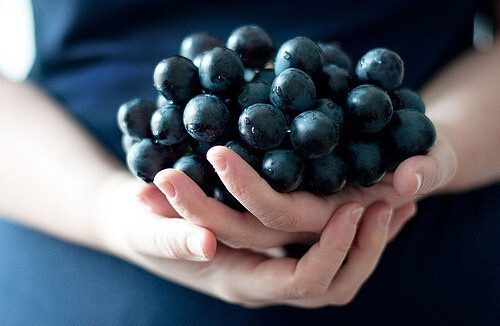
<point>287,55</point>
<point>246,120</point>
<point>277,90</point>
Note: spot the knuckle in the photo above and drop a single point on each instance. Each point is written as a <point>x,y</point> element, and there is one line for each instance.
<point>310,289</point>
<point>279,220</point>
<point>169,247</point>
<point>341,248</point>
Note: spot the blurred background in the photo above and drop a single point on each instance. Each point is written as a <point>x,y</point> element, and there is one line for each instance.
<point>17,49</point>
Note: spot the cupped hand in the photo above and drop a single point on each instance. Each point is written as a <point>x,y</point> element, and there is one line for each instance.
<point>321,277</point>
<point>301,211</point>
<point>234,228</point>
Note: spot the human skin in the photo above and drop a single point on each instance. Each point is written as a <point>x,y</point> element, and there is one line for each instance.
<point>78,192</point>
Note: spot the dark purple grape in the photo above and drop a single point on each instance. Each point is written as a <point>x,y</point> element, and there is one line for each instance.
<point>176,78</point>
<point>221,71</point>
<point>198,169</point>
<point>337,82</point>
<point>167,125</point>
<point>368,109</point>
<point>251,158</point>
<point>262,126</point>
<point>223,195</point>
<point>411,133</point>
<point>128,141</point>
<point>283,169</point>
<point>366,161</point>
<point>313,134</point>
<point>253,44</point>
<point>198,43</point>
<point>205,117</point>
<point>265,76</point>
<point>332,110</point>
<point>161,101</point>
<point>293,91</point>
<point>146,158</point>
<point>301,53</point>
<point>133,118</point>
<point>407,99</point>
<point>332,53</point>
<point>325,175</point>
<point>253,93</point>
<point>381,67</point>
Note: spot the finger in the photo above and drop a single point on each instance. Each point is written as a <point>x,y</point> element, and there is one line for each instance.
<point>151,196</point>
<point>283,211</point>
<point>234,228</point>
<point>399,218</point>
<point>363,255</point>
<point>172,238</point>
<point>422,174</point>
<point>286,278</point>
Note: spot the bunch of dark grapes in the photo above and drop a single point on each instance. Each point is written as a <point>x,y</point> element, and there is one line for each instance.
<point>304,116</point>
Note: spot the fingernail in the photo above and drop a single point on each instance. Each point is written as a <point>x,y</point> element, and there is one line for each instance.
<point>385,218</point>
<point>419,182</point>
<point>218,162</point>
<point>356,215</point>
<point>194,245</point>
<point>168,188</point>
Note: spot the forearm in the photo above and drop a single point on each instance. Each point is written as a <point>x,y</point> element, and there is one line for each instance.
<point>464,103</point>
<point>51,167</point>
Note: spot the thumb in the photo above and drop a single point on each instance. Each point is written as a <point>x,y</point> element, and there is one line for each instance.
<point>173,238</point>
<point>422,174</point>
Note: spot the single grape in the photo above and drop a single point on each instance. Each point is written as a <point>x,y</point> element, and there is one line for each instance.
<point>198,43</point>
<point>333,53</point>
<point>408,99</point>
<point>283,169</point>
<point>368,109</point>
<point>133,118</point>
<point>366,161</point>
<point>167,125</point>
<point>381,67</point>
<point>253,44</point>
<point>325,175</point>
<point>253,93</point>
<point>146,158</point>
<point>301,53</point>
<point>313,134</point>
<point>221,71</point>
<point>176,78</point>
<point>205,117</point>
<point>293,90</point>
<point>198,169</point>
<point>336,82</point>
<point>332,110</point>
<point>411,133</point>
<point>262,126</point>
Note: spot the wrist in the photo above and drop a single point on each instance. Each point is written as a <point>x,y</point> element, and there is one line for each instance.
<point>109,198</point>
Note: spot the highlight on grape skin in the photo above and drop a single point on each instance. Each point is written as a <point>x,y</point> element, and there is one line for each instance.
<point>304,115</point>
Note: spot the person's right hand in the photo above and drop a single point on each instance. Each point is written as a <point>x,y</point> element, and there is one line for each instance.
<point>163,246</point>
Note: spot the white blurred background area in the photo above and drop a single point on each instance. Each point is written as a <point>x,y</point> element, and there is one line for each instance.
<point>17,49</point>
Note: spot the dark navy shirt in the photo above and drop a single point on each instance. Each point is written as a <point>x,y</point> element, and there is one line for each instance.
<point>92,55</point>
